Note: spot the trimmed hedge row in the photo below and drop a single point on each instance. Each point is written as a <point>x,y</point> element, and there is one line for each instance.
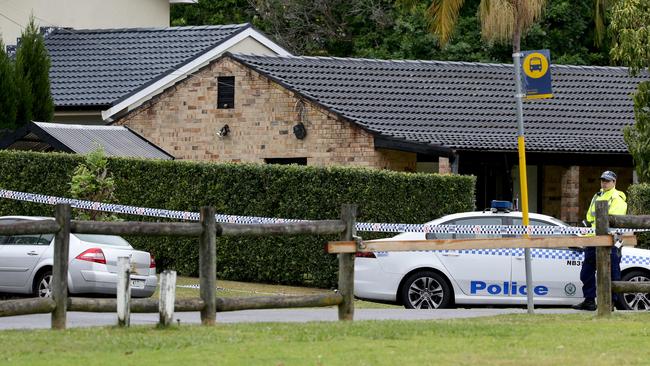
<point>247,189</point>
<point>639,204</point>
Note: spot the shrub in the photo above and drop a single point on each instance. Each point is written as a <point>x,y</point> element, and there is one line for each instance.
<point>639,204</point>
<point>248,189</point>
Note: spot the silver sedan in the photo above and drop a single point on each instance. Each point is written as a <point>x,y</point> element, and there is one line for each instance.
<point>26,264</point>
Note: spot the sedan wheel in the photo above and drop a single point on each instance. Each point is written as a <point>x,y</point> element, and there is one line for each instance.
<point>636,301</point>
<point>43,286</point>
<point>425,290</point>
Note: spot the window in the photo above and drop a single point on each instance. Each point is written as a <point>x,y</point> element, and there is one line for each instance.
<point>116,241</point>
<point>225,92</point>
<point>468,221</point>
<point>32,239</point>
<point>287,161</point>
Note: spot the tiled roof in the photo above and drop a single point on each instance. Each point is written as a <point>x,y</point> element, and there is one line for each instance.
<point>99,67</point>
<point>464,106</point>
<point>82,139</point>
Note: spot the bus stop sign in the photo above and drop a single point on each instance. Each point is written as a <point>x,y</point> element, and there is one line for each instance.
<point>536,67</point>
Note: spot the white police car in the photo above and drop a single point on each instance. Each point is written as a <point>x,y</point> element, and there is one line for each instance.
<point>441,279</point>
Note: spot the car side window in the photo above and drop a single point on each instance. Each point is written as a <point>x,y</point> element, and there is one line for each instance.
<point>471,221</point>
<point>30,239</point>
<point>5,238</point>
<point>534,222</point>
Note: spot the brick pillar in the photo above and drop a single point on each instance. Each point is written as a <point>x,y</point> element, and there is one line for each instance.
<point>443,165</point>
<point>570,195</point>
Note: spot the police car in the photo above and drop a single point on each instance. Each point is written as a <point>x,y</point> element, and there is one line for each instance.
<point>444,278</point>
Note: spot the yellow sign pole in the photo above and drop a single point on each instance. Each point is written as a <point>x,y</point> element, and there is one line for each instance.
<point>522,178</point>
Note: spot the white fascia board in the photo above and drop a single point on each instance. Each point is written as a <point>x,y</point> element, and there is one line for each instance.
<point>172,78</point>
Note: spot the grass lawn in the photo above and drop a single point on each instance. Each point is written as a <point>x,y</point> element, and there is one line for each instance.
<point>575,339</point>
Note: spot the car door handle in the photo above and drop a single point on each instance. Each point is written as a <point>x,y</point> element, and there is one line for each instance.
<point>522,258</point>
<point>32,253</point>
<point>451,254</point>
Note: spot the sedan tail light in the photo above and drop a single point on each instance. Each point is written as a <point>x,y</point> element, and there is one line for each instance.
<point>92,255</point>
<point>152,262</point>
<point>365,255</point>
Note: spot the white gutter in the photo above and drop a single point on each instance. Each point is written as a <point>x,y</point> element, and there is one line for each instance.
<point>172,78</point>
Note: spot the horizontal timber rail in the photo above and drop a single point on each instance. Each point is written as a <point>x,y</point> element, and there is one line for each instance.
<point>628,287</point>
<point>37,306</point>
<point>460,244</point>
<point>29,227</point>
<point>630,221</point>
<point>195,229</point>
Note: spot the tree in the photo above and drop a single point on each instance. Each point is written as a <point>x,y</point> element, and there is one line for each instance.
<point>630,30</point>
<point>388,30</point>
<point>7,92</point>
<point>212,12</point>
<point>32,71</point>
<point>92,181</point>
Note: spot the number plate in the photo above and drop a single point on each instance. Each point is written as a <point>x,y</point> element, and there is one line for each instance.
<point>137,284</point>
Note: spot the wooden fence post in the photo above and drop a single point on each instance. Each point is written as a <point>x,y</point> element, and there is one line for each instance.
<point>167,297</point>
<point>208,266</point>
<point>603,263</point>
<point>123,291</point>
<point>60,266</point>
<point>346,264</point>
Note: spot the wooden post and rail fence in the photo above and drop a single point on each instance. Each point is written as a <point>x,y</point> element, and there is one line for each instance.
<point>208,304</point>
<point>207,230</point>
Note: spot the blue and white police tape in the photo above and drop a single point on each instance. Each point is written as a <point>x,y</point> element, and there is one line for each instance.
<point>361,226</point>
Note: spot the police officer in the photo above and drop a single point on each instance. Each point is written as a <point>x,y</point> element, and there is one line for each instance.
<point>617,206</point>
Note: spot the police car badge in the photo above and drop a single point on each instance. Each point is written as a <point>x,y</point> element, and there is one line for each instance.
<point>570,289</point>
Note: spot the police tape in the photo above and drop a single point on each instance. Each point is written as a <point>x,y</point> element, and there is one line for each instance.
<point>361,226</point>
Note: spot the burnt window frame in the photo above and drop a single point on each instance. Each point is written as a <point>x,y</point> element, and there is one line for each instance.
<point>286,161</point>
<point>225,92</point>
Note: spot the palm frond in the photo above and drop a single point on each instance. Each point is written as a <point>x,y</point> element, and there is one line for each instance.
<point>498,17</point>
<point>442,15</point>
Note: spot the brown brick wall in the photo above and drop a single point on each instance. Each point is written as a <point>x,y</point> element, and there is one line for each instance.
<point>570,195</point>
<point>184,119</point>
<point>568,191</point>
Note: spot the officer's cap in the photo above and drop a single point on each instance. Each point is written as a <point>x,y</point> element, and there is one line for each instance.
<point>608,175</point>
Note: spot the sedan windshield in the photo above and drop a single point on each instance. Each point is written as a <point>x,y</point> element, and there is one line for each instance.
<point>103,239</point>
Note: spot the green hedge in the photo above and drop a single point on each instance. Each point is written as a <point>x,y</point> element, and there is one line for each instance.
<point>639,204</point>
<point>248,189</point>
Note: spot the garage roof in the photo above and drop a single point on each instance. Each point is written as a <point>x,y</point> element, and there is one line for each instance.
<point>81,139</point>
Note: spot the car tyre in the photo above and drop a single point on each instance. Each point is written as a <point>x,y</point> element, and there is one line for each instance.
<point>43,284</point>
<point>426,290</point>
<point>635,301</point>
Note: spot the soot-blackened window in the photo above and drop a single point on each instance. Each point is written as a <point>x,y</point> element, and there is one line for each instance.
<point>286,161</point>
<point>225,92</point>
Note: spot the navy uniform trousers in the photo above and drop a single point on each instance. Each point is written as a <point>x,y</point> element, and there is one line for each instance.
<point>588,272</point>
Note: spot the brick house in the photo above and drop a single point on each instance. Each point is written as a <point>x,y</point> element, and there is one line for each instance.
<point>422,116</point>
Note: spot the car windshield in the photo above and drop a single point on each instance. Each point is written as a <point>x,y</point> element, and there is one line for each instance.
<point>103,239</point>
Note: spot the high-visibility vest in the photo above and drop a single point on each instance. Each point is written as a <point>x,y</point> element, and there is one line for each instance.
<point>615,199</point>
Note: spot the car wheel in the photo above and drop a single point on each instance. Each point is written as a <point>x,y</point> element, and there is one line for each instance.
<point>635,301</point>
<point>43,284</point>
<point>425,290</point>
